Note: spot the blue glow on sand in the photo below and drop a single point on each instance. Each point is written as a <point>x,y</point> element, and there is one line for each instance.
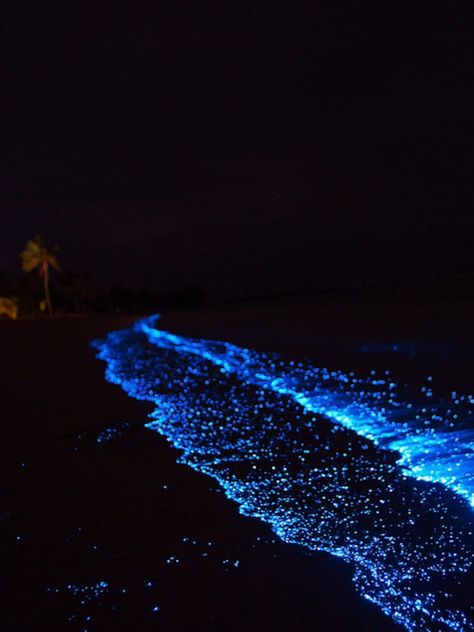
<point>85,593</point>
<point>109,434</point>
<point>333,461</point>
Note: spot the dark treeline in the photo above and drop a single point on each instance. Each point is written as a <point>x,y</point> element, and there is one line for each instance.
<point>75,292</point>
<point>43,283</point>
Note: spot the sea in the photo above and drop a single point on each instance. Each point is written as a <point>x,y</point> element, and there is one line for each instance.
<point>372,465</point>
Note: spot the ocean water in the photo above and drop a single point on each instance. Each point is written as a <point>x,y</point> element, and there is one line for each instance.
<point>373,471</point>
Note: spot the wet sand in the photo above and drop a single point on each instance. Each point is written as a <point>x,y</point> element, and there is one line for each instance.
<point>173,551</point>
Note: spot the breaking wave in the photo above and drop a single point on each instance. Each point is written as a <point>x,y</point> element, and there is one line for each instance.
<point>372,472</point>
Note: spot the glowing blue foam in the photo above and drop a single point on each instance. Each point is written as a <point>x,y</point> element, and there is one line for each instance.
<point>332,461</point>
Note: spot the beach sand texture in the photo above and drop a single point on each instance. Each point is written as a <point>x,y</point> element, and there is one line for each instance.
<point>172,552</point>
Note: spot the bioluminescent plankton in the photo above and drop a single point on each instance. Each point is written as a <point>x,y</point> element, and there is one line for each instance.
<point>376,474</point>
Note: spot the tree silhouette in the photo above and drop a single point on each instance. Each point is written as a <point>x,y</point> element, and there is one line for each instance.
<point>40,255</point>
<point>79,289</point>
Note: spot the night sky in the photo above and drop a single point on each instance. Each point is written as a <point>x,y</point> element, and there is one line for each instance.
<point>246,147</point>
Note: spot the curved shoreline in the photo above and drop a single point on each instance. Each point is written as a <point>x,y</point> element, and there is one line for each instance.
<point>202,453</point>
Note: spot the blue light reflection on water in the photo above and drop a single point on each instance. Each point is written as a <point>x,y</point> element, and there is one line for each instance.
<point>332,461</point>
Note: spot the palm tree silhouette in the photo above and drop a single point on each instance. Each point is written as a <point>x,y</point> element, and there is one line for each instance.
<point>39,254</point>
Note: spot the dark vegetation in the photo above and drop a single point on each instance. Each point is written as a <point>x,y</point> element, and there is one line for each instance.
<point>42,286</point>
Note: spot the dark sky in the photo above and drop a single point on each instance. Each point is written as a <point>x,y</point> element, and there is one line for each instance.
<point>247,147</point>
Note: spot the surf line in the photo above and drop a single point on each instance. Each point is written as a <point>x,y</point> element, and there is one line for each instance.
<point>430,446</point>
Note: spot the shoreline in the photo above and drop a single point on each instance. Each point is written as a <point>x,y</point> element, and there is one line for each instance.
<point>87,512</point>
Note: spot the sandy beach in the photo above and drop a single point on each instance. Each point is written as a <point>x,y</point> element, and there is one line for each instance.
<point>172,552</point>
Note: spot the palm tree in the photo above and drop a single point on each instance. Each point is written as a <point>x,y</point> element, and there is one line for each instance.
<point>39,254</point>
